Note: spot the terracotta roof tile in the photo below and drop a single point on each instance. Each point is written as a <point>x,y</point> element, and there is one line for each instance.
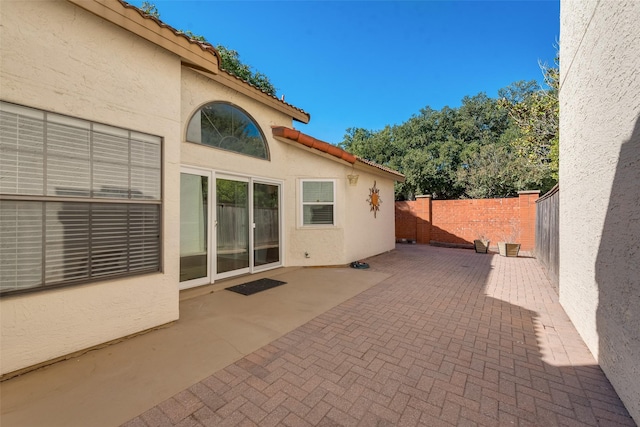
<point>267,94</point>
<point>311,142</point>
<point>325,147</point>
<point>379,166</point>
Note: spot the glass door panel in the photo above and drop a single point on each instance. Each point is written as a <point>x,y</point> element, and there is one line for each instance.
<point>232,230</point>
<point>194,237</point>
<point>266,218</point>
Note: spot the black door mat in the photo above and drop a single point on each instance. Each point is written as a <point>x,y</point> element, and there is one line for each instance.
<point>256,286</point>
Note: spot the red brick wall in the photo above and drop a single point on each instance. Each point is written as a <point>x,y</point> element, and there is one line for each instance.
<point>461,221</point>
<point>406,219</point>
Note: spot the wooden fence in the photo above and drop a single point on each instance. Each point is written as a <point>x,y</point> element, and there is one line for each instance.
<point>547,233</point>
<point>235,235</point>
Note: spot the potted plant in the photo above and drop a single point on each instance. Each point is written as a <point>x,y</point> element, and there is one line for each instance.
<point>508,247</point>
<point>481,245</point>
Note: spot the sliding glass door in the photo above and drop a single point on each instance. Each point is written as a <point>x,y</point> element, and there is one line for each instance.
<point>194,228</point>
<point>237,216</point>
<point>232,226</point>
<point>266,220</point>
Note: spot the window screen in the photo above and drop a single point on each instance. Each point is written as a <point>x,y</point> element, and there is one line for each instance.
<point>318,202</point>
<point>79,200</point>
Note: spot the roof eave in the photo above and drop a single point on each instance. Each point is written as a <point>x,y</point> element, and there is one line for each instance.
<point>130,18</point>
<point>194,54</point>
<point>311,142</point>
<point>298,138</point>
<point>239,85</point>
<point>396,176</point>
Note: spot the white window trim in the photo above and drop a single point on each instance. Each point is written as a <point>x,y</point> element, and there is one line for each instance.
<point>301,203</point>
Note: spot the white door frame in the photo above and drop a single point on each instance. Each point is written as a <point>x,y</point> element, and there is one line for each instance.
<point>212,176</point>
<point>238,178</point>
<point>280,185</point>
<point>206,279</point>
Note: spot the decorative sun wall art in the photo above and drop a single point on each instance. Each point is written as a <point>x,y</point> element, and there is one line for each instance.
<point>374,199</point>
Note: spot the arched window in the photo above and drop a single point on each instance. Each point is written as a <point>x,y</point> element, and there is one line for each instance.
<point>227,127</point>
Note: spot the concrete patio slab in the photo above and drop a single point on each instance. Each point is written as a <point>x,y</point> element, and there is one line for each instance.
<point>108,386</point>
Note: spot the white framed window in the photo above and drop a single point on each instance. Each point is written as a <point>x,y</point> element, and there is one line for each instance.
<point>79,201</point>
<point>227,127</point>
<point>318,202</point>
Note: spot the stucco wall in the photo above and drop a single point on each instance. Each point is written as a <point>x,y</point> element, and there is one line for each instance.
<point>365,234</point>
<point>600,175</point>
<point>324,244</point>
<point>198,90</point>
<point>287,164</point>
<point>356,233</point>
<point>60,58</point>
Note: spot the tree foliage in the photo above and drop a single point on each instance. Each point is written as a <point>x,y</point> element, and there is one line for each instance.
<point>537,118</point>
<point>150,9</point>
<point>485,148</point>
<point>229,59</point>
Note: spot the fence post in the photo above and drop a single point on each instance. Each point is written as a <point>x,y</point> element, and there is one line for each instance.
<point>527,201</point>
<point>423,219</point>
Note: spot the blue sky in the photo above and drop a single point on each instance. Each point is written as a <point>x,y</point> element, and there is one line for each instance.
<point>372,63</point>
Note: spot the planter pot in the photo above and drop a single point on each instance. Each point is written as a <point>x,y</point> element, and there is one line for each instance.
<point>508,249</point>
<point>481,246</point>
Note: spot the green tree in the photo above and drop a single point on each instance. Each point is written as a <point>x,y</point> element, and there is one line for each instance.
<point>430,147</point>
<point>504,167</point>
<point>495,170</point>
<point>518,91</point>
<point>537,117</point>
<point>150,9</point>
<point>474,150</point>
<point>376,146</point>
<point>230,61</point>
<point>479,120</point>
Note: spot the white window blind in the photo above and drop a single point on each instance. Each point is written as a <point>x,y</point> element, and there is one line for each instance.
<point>318,204</point>
<point>113,175</point>
<point>67,157</point>
<point>20,245</point>
<point>145,166</point>
<point>111,165</point>
<point>21,150</point>
<point>67,241</point>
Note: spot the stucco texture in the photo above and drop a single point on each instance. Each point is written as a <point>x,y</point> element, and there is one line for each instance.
<point>356,233</point>
<point>600,176</point>
<point>58,60</point>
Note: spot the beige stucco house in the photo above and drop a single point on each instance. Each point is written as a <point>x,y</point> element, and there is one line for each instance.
<point>132,166</point>
<point>599,274</point>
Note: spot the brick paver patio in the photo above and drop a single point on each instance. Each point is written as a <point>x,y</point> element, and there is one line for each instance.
<point>451,338</point>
